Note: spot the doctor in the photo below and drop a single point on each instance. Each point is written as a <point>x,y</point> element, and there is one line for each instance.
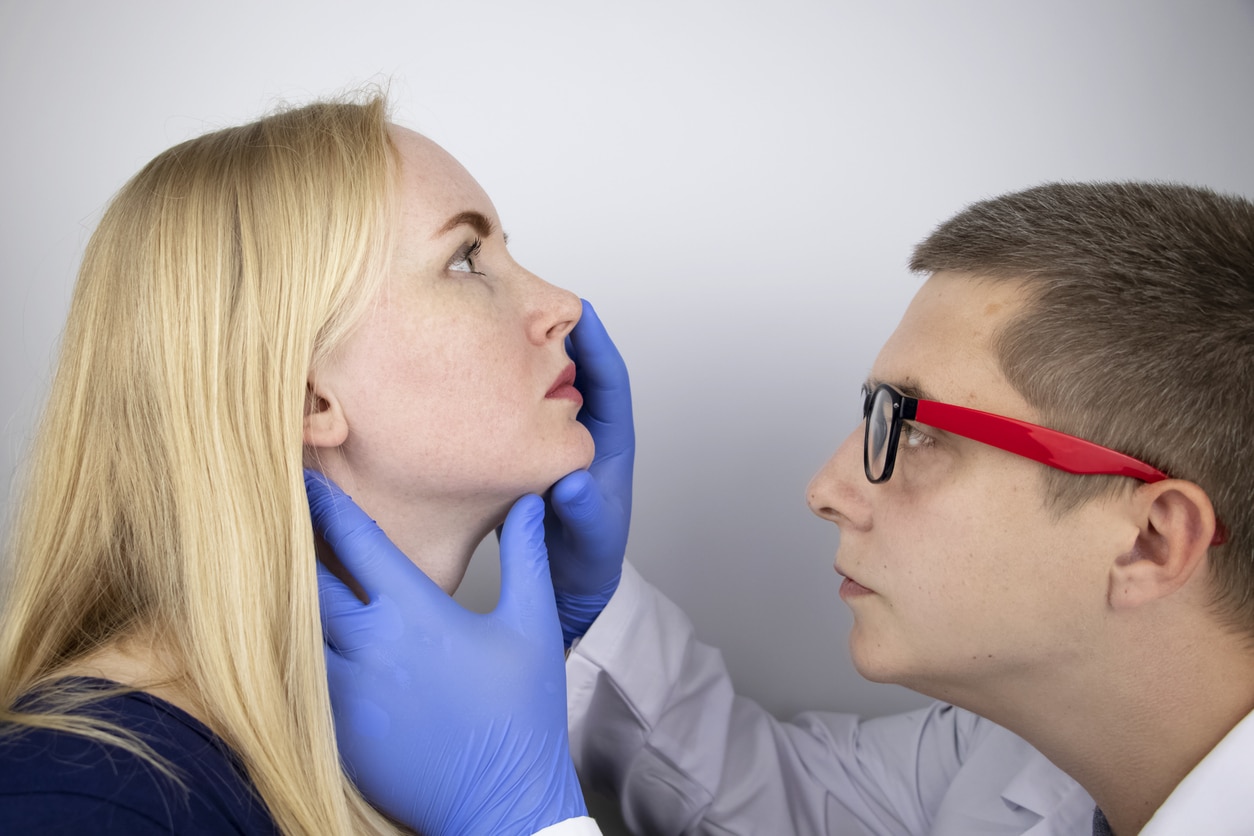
<point>1046,525</point>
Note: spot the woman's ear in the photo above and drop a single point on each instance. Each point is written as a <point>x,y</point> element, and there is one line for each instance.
<point>1177,523</point>
<point>325,424</point>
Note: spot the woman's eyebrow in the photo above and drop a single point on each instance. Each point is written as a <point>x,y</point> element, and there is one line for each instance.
<point>475,220</point>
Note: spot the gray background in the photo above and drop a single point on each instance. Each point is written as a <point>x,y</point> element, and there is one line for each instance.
<point>735,185</point>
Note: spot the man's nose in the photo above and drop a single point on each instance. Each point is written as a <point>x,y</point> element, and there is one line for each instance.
<point>838,492</point>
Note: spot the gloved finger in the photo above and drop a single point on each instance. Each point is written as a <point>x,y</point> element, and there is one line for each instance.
<point>334,596</point>
<point>362,547</point>
<point>339,671</point>
<point>526,601</point>
<point>343,623</point>
<point>356,714</point>
<point>577,501</point>
<point>601,377</point>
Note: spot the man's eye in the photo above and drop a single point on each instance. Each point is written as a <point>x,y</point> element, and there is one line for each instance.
<point>464,259</point>
<point>912,436</point>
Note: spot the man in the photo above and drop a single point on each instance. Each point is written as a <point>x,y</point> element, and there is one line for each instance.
<point>1045,525</point>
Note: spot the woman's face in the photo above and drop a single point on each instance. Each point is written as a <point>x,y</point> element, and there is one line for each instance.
<point>454,391</point>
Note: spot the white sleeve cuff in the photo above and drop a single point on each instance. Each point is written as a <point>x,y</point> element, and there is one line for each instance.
<point>582,826</point>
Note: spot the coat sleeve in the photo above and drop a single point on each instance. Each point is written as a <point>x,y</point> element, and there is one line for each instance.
<point>582,826</point>
<point>654,721</point>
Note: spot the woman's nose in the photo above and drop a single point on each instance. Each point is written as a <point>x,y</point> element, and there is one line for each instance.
<point>552,311</point>
<point>837,493</point>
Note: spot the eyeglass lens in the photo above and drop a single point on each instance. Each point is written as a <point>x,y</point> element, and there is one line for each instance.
<point>879,421</point>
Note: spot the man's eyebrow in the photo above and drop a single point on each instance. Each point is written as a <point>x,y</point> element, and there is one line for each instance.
<point>905,387</point>
<point>475,220</point>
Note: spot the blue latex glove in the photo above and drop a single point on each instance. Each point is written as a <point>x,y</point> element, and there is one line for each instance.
<point>447,720</point>
<point>587,531</point>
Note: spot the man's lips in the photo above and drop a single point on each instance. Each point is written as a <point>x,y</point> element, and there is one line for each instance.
<point>849,588</point>
<point>564,387</point>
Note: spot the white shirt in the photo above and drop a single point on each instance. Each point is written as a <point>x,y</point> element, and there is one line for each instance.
<point>654,720</point>
<point>1217,797</point>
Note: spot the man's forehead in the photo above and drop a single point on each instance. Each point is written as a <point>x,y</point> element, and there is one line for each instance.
<point>944,347</point>
<point>908,386</point>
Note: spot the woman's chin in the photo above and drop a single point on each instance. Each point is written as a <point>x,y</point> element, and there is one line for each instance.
<point>577,457</point>
<point>586,450</point>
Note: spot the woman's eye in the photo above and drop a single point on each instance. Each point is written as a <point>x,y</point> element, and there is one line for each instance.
<point>464,259</point>
<point>912,436</point>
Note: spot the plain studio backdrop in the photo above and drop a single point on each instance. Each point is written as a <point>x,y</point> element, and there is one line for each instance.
<point>735,185</point>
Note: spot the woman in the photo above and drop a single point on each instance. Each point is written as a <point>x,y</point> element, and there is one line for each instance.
<point>317,288</point>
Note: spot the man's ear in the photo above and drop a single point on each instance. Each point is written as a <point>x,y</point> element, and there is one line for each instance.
<point>1177,523</point>
<point>325,424</point>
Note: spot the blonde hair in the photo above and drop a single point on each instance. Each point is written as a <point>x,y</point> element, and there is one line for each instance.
<point>163,495</point>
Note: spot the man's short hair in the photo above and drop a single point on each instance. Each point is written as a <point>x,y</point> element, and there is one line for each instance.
<point>1138,334</point>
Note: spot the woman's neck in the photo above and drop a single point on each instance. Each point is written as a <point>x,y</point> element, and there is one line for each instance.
<point>439,537</point>
<point>141,662</point>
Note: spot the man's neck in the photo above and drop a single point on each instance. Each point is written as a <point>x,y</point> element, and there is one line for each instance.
<point>1131,728</point>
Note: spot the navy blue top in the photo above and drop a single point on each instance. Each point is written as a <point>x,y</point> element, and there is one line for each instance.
<point>58,783</point>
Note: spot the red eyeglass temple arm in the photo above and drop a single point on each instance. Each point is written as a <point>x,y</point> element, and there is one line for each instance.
<point>1032,441</point>
<point>1051,447</point>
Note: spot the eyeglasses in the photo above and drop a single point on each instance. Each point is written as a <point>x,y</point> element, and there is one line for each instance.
<point>885,409</point>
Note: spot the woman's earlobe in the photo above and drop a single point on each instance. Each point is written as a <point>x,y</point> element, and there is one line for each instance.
<point>325,425</point>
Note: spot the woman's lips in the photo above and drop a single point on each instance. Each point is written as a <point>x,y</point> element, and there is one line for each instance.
<point>564,387</point>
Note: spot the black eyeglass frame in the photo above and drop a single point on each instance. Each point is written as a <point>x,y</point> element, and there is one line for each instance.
<point>1047,446</point>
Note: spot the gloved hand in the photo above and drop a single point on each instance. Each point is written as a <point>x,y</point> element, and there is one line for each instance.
<point>447,720</point>
<point>587,531</point>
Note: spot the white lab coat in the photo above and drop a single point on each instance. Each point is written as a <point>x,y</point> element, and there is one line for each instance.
<point>654,720</point>
<point>582,826</point>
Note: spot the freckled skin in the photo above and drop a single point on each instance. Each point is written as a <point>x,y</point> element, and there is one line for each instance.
<point>443,386</point>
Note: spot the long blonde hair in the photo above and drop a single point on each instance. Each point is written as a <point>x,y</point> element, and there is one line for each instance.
<point>163,493</point>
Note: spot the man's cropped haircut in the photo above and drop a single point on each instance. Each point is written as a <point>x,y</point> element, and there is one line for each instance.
<point>1138,334</point>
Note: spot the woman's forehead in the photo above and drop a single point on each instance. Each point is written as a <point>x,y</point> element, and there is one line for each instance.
<point>434,185</point>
